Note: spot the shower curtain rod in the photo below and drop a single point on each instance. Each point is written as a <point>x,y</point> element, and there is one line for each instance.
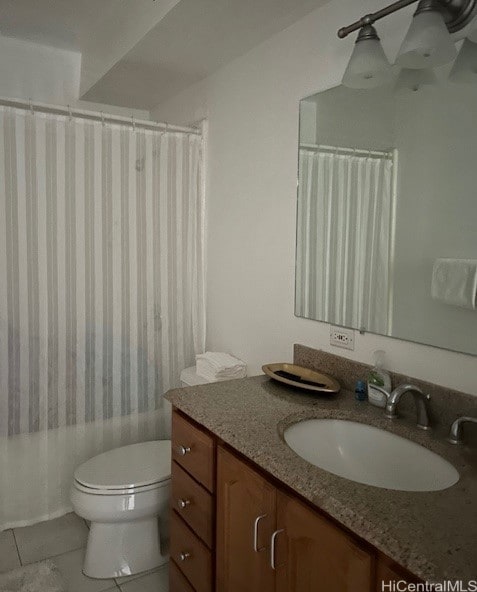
<point>97,116</point>
<point>345,150</point>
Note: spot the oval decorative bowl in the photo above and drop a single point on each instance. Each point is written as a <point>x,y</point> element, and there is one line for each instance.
<point>302,378</point>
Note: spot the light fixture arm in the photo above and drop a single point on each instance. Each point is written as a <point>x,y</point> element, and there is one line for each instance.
<point>369,19</point>
<point>457,13</point>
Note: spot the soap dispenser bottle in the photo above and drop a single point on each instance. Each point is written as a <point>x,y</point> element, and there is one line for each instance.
<point>378,377</point>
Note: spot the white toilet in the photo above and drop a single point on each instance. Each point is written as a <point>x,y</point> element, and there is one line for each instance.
<point>189,377</point>
<point>125,494</point>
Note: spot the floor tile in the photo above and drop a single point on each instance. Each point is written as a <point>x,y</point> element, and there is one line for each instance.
<point>71,566</point>
<point>157,581</point>
<point>51,538</point>
<point>124,579</point>
<point>8,551</point>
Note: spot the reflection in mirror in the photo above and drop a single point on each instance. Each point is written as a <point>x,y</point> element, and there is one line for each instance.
<point>387,211</point>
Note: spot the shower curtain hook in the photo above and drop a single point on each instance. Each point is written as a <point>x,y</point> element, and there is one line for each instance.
<point>31,108</point>
<point>70,113</point>
<point>102,118</point>
<point>133,123</point>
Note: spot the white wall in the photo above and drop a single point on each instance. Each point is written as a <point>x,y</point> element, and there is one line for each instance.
<point>37,71</point>
<point>252,106</point>
<point>46,75</point>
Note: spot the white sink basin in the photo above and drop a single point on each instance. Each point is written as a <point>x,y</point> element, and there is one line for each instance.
<point>368,455</point>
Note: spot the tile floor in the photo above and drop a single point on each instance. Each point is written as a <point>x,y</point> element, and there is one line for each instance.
<point>63,540</point>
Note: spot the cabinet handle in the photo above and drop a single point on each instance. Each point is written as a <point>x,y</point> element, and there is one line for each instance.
<point>183,503</point>
<point>184,555</point>
<point>272,548</point>
<point>183,450</point>
<point>255,534</point>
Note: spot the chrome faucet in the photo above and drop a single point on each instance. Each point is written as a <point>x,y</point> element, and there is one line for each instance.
<point>455,436</point>
<point>420,399</point>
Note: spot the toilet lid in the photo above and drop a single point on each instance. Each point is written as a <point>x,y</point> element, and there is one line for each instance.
<point>127,467</point>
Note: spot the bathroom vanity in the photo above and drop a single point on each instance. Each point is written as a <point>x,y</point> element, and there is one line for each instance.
<point>250,514</point>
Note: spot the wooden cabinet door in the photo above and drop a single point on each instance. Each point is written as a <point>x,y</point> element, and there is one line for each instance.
<point>246,507</point>
<point>313,555</point>
<point>388,572</point>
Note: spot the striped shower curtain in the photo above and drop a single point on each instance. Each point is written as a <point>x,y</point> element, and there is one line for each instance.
<point>101,294</point>
<point>344,239</point>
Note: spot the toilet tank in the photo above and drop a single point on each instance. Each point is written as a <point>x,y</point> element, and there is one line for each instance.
<point>189,377</point>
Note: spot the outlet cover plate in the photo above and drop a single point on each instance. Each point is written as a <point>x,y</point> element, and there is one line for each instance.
<point>342,337</point>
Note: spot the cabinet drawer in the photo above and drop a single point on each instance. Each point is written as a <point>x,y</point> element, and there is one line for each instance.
<point>193,503</point>
<point>191,555</point>
<point>177,580</point>
<point>193,449</point>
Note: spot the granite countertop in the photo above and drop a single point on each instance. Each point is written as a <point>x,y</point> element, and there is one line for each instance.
<point>432,534</point>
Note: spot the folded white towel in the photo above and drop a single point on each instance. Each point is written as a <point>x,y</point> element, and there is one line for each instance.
<point>454,281</point>
<point>212,376</point>
<point>216,366</point>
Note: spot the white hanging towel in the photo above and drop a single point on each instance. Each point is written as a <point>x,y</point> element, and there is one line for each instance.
<point>454,281</point>
<point>216,366</point>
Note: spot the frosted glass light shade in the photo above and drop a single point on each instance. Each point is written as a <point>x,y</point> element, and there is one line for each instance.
<point>427,43</point>
<point>472,35</point>
<point>411,79</point>
<point>464,69</point>
<point>368,66</point>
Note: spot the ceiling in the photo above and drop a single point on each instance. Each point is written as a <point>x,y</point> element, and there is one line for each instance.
<point>56,23</point>
<point>192,41</point>
<point>138,53</point>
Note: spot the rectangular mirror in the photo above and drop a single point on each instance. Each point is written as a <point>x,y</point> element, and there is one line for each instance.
<point>387,212</point>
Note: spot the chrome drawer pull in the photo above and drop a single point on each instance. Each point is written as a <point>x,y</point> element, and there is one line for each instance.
<point>184,555</point>
<point>272,548</point>
<point>183,503</point>
<point>255,534</point>
<point>183,450</point>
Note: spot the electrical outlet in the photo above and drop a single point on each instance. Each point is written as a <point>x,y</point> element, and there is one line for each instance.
<point>341,337</point>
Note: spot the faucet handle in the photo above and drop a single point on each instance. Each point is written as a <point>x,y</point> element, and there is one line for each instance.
<point>455,434</point>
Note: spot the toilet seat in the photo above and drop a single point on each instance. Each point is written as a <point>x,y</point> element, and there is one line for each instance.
<point>129,469</point>
<point>127,491</point>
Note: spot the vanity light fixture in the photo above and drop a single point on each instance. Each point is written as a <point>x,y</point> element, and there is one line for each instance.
<point>472,35</point>
<point>412,79</point>
<point>428,42</point>
<point>464,69</point>
<point>368,66</point>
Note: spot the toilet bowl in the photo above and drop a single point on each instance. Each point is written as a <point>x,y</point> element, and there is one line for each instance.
<point>125,493</point>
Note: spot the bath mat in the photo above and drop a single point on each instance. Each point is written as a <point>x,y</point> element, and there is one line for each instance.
<point>39,577</point>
